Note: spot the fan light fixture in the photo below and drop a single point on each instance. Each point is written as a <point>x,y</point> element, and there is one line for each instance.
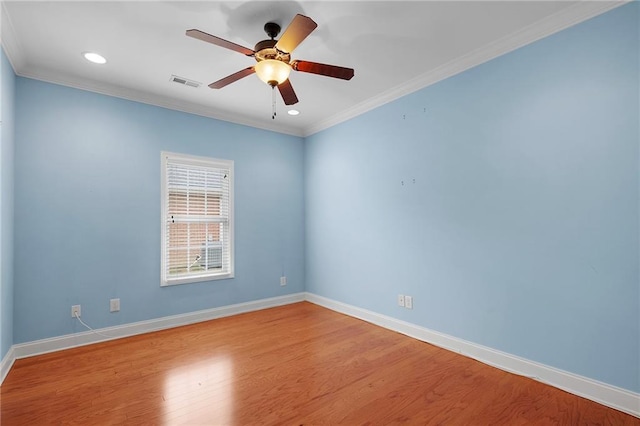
<point>273,59</point>
<point>272,71</point>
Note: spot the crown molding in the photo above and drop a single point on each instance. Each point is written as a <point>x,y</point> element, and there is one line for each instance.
<point>155,100</point>
<point>9,40</point>
<point>559,21</point>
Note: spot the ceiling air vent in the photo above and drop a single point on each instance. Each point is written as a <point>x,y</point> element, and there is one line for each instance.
<point>185,81</point>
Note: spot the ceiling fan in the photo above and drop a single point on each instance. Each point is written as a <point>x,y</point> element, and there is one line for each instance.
<point>274,57</point>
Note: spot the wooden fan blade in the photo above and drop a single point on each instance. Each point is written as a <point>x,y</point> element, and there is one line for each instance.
<point>200,35</point>
<point>323,69</point>
<point>298,30</point>
<point>232,78</point>
<point>288,95</point>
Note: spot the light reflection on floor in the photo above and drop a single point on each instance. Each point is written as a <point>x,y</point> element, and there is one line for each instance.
<point>200,392</point>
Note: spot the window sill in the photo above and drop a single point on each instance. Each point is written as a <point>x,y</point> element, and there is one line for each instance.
<point>196,279</point>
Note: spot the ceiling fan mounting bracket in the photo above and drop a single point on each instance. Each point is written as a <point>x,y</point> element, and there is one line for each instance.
<point>272,29</point>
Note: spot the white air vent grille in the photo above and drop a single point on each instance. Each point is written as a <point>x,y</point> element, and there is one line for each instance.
<point>185,81</point>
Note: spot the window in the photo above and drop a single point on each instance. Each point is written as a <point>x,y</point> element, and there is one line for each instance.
<point>197,219</point>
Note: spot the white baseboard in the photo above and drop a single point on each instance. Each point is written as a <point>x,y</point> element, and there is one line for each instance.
<point>605,394</point>
<point>38,347</point>
<point>7,363</point>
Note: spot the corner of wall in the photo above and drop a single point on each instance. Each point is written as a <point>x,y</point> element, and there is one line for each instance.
<point>7,149</point>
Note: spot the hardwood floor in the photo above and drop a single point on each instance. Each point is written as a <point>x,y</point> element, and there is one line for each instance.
<point>294,365</point>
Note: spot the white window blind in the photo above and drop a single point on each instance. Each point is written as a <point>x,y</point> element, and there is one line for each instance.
<point>197,219</point>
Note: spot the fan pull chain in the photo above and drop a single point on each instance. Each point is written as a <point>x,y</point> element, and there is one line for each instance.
<point>273,102</point>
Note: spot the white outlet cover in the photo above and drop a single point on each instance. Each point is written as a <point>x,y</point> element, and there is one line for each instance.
<point>283,281</point>
<point>408,302</point>
<point>401,300</point>
<point>114,305</point>
<point>74,309</point>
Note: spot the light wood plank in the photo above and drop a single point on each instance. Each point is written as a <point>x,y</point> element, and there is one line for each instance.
<point>299,364</point>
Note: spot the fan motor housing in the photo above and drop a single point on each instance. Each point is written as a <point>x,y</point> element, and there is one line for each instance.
<point>266,49</point>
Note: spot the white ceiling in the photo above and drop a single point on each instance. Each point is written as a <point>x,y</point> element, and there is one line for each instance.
<point>395,48</point>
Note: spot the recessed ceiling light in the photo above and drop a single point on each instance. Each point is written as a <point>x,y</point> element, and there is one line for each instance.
<point>293,112</point>
<point>94,57</point>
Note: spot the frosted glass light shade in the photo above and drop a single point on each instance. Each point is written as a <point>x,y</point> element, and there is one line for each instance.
<point>272,72</point>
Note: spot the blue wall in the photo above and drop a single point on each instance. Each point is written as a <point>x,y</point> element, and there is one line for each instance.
<point>7,90</point>
<point>504,200</point>
<point>87,210</point>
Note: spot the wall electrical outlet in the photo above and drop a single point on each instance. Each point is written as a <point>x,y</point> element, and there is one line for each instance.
<point>76,311</point>
<point>114,305</point>
<point>408,302</point>
<point>401,300</point>
<point>283,281</point>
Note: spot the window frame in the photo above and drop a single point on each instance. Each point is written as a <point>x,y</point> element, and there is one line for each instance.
<point>198,161</point>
